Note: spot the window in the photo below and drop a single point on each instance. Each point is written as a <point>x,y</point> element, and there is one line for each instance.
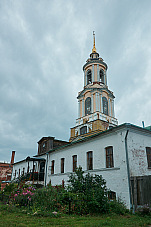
<point>15,172</point>
<point>105,105</point>
<point>62,165</point>
<point>111,195</point>
<point>23,171</point>
<point>52,166</point>
<point>109,157</point>
<point>89,77</point>
<point>74,162</point>
<point>83,130</point>
<point>88,106</point>
<point>101,76</point>
<point>89,160</point>
<point>148,153</point>
<point>19,173</point>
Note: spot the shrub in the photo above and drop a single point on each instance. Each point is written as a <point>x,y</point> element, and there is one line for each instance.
<point>118,207</point>
<point>23,195</point>
<point>91,192</point>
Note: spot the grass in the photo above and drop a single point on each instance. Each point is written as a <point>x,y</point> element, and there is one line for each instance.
<point>19,217</point>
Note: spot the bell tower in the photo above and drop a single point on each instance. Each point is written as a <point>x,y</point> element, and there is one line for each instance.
<point>95,101</point>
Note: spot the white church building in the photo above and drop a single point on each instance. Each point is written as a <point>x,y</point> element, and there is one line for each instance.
<point>120,153</point>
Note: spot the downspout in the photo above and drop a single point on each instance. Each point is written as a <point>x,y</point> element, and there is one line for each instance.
<point>46,170</point>
<point>128,170</point>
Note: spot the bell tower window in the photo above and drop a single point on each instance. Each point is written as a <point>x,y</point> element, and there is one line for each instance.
<point>105,105</point>
<point>101,76</point>
<point>83,130</point>
<point>88,106</point>
<point>89,77</point>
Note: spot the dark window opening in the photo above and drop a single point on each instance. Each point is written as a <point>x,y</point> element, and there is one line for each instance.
<point>62,165</point>
<point>89,77</point>
<point>89,160</point>
<point>19,173</point>
<point>112,195</point>
<point>52,166</point>
<point>83,130</point>
<point>105,105</point>
<point>109,157</point>
<point>101,76</point>
<point>42,171</point>
<point>148,153</point>
<point>74,162</point>
<point>88,106</point>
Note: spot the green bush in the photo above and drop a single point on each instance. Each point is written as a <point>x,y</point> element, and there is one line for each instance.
<point>118,207</point>
<point>91,192</point>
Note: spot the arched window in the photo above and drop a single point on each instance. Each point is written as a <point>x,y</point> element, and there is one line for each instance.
<point>83,130</point>
<point>105,105</point>
<point>89,77</point>
<point>88,106</point>
<point>101,76</point>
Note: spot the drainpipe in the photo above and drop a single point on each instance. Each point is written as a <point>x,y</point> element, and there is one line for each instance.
<point>128,171</point>
<point>46,169</point>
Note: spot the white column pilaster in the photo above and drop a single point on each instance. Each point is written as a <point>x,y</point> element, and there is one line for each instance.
<point>96,101</point>
<point>101,104</point>
<point>92,73</point>
<point>105,78</point>
<point>92,103</point>
<point>98,79</point>
<point>82,107</point>
<point>84,78</point>
<point>78,108</point>
<point>109,107</point>
<point>113,108</point>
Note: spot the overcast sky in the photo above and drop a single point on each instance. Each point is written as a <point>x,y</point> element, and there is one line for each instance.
<point>43,47</point>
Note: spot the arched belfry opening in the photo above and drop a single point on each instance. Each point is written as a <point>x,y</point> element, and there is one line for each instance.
<point>101,76</point>
<point>89,76</point>
<point>105,105</point>
<point>88,106</point>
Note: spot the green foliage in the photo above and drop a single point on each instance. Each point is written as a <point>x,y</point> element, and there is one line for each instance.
<point>91,192</point>
<point>9,188</point>
<point>118,207</point>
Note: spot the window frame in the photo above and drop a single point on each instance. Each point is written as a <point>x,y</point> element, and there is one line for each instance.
<point>52,166</point>
<point>87,105</point>
<point>89,74</point>
<point>90,160</point>
<point>148,155</point>
<point>101,74</point>
<point>82,130</point>
<point>62,165</point>
<point>105,102</point>
<point>74,163</point>
<point>109,157</point>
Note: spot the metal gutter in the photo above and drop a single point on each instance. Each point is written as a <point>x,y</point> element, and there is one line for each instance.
<point>128,170</point>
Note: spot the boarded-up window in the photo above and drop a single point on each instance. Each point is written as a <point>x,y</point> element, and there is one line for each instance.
<point>148,153</point>
<point>109,157</point>
<point>52,166</point>
<point>62,165</point>
<point>74,162</point>
<point>89,160</point>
